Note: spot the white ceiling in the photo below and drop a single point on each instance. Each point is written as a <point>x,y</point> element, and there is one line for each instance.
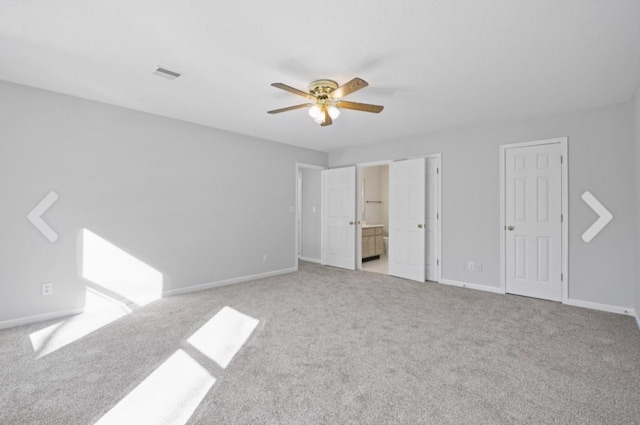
<point>433,64</point>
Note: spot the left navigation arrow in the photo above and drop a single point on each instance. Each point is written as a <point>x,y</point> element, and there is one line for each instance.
<point>35,216</point>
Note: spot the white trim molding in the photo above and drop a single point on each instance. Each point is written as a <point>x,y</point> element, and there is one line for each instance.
<point>571,302</point>
<point>40,318</point>
<point>204,286</point>
<point>477,286</point>
<point>602,307</point>
<point>374,163</point>
<point>311,260</point>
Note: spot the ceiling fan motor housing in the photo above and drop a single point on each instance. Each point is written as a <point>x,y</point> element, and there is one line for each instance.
<point>322,88</point>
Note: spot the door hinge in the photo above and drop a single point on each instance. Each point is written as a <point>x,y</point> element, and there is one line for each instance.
<point>561,218</point>
<point>437,170</point>
<point>437,216</point>
<point>561,159</point>
<point>561,277</point>
<point>437,262</point>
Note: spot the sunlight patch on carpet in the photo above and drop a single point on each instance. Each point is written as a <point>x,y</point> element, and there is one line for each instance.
<point>223,335</point>
<point>168,396</point>
<point>99,311</point>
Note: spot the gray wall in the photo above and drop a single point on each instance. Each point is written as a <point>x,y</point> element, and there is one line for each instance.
<point>311,221</point>
<point>601,160</point>
<point>197,204</point>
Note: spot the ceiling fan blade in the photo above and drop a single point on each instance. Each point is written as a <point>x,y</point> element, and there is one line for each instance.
<point>290,108</point>
<point>294,91</point>
<point>360,106</point>
<point>327,118</point>
<point>348,88</point>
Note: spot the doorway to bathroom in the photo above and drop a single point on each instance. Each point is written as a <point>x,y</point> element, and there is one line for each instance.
<point>373,201</point>
<point>400,200</point>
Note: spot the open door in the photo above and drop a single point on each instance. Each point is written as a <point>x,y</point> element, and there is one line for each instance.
<point>339,216</point>
<point>407,219</point>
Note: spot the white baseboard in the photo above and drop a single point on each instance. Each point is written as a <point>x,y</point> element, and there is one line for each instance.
<point>493,289</point>
<point>202,287</point>
<point>601,307</point>
<point>311,260</point>
<point>571,302</point>
<point>40,318</point>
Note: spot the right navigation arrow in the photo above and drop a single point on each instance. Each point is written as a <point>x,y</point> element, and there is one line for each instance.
<point>604,216</point>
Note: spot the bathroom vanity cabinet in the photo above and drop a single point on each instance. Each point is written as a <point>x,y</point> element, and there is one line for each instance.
<point>372,242</point>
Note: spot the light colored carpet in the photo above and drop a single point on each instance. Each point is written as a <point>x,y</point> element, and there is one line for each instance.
<point>339,347</point>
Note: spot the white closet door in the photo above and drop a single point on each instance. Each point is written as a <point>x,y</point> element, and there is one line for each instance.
<point>339,214</point>
<point>533,237</point>
<point>407,219</point>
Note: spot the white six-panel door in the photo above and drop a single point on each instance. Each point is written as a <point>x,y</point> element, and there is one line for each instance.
<point>533,234</point>
<point>407,219</point>
<point>339,211</point>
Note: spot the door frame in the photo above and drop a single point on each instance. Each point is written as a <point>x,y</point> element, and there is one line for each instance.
<point>359,168</point>
<point>298,216</point>
<point>437,156</point>
<point>564,194</point>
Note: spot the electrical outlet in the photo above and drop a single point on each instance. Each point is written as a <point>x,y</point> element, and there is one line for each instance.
<point>313,210</point>
<point>479,267</point>
<point>47,288</point>
<point>264,258</point>
<point>470,266</point>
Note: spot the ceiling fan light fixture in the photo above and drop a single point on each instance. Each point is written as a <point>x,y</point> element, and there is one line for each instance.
<point>315,111</point>
<point>326,99</point>
<point>320,117</point>
<point>334,112</point>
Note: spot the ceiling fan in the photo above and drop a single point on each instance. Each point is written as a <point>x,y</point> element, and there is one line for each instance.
<point>326,97</point>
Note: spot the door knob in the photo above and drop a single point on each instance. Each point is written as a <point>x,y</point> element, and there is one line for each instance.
<point>351,222</point>
<point>420,226</point>
<point>510,228</point>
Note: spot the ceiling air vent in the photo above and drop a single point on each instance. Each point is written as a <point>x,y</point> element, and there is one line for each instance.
<point>165,73</point>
